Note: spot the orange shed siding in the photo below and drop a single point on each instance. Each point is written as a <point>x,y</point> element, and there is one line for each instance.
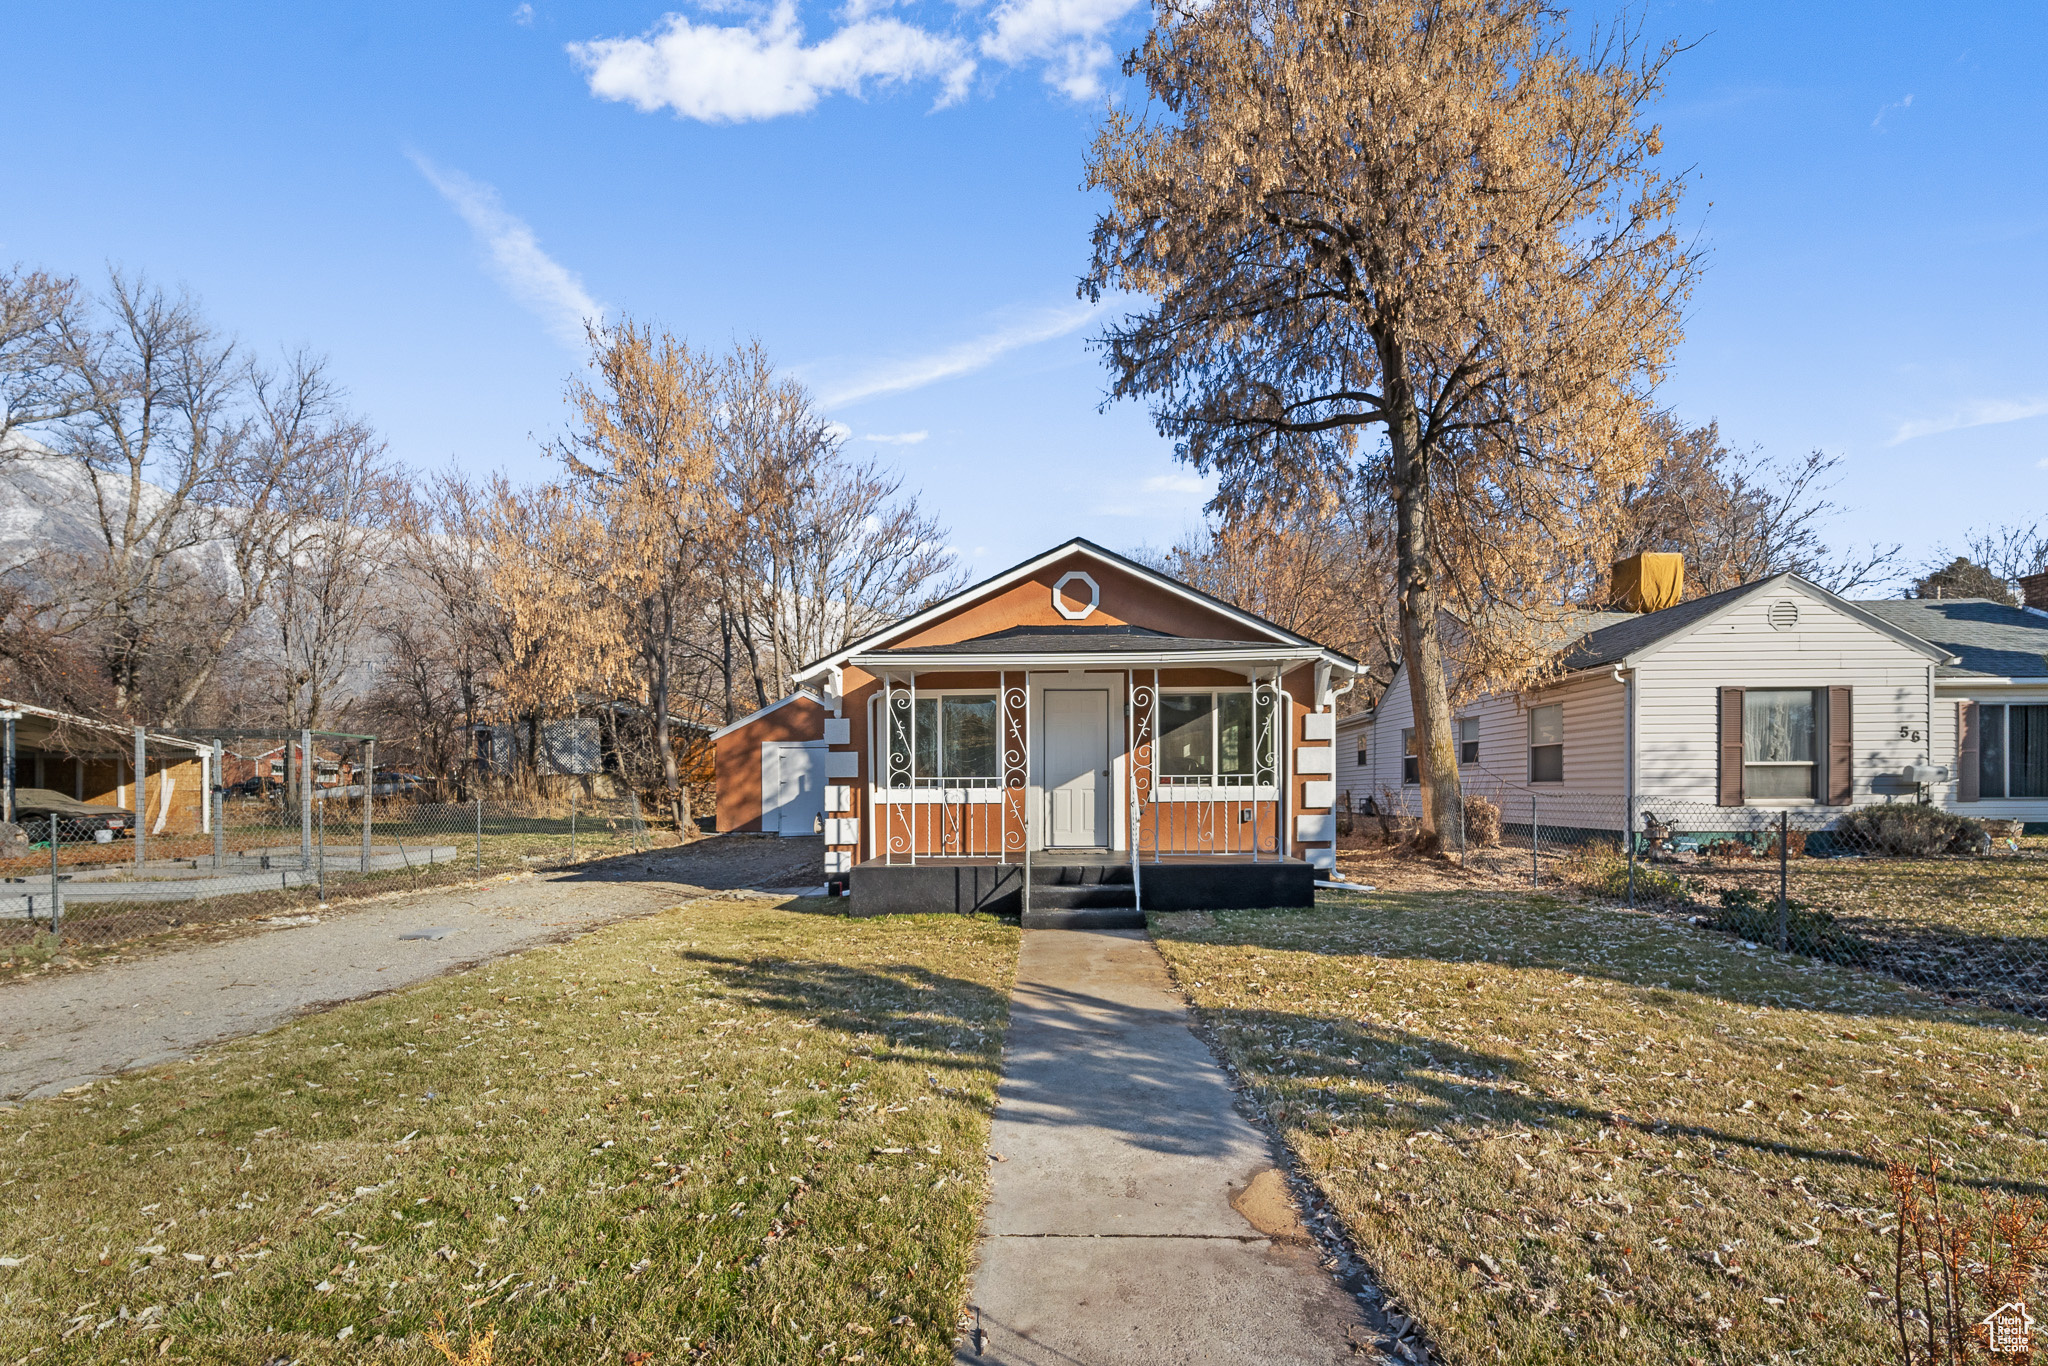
<point>738,758</point>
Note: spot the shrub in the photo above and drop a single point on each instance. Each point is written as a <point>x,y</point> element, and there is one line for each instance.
<point>1482,823</point>
<point>1602,869</point>
<point>1751,914</point>
<point>1909,830</point>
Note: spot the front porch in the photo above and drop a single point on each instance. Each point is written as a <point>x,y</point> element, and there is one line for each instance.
<point>1075,889</point>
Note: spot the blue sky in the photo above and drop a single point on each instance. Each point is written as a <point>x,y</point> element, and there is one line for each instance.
<point>888,195</point>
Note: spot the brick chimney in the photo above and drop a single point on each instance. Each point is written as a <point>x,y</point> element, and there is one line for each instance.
<point>2034,591</point>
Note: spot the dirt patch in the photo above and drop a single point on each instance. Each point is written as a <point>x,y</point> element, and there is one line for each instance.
<point>1268,1206</point>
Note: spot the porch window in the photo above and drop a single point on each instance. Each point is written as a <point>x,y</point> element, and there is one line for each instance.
<point>1546,743</point>
<point>1779,734</point>
<point>1214,737</point>
<point>955,738</point>
<point>2012,753</point>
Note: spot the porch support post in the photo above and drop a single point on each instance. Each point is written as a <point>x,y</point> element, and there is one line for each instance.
<point>885,788</point>
<point>912,762</point>
<point>1028,803</point>
<point>1131,772</point>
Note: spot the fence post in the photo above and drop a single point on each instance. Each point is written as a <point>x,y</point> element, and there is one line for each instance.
<point>141,797</point>
<point>369,789</point>
<point>305,799</point>
<point>56,887</point>
<point>1535,839</point>
<point>320,859</point>
<point>1628,825</point>
<point>220,807</point>
<point>572,824</point>
<point>1784,867</point>
<point>479,831</point>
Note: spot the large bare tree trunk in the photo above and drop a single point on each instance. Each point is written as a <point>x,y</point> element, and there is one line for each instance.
<point>1436,748</point>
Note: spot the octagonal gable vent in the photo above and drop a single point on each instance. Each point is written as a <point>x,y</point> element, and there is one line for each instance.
<point>1784,615</point>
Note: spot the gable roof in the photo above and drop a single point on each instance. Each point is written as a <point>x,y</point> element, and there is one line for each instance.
<point>1988,639</point>
<point>1617,635</point>
<point>879,640</point>
<point>801,694</point>
<point>1072,640</point>
<point>1630,639</point>
<point>1624,638</point>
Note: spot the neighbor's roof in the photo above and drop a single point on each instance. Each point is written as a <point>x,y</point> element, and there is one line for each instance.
<point>1612,637</point>
<point>42,723</point>
<point>1989,639</point>
<point>1626,638</point>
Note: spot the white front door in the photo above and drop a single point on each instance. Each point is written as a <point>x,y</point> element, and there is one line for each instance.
<point>1077,768</point>
<point>792,787</point>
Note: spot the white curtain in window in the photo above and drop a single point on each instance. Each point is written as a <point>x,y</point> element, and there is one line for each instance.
<point>1777,726</point>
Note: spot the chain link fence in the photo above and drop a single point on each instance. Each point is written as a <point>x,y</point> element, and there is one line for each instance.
<point>96,879</point>
<point>1951,903</point>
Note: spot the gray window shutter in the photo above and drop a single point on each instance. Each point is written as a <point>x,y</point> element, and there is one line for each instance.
<point>1968,772</point>
<point>1841,771</point>
<point>1731,747</point>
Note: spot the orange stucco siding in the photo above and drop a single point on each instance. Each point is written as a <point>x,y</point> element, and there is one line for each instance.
<point>1127,600</point>
<point>738,759</point>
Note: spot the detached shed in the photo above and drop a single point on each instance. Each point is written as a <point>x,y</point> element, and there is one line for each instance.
<point>772,766</point>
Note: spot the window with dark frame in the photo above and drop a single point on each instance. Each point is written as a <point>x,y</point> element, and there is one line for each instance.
<point>1212,737</point>
<point>1780,744</point>
<point>2012,751</point>
<point>955,740</point>
<point>1546,743</point>
<point>1411,767</point>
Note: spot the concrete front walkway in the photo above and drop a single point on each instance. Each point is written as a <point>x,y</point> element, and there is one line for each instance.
<point>1138,1217</point>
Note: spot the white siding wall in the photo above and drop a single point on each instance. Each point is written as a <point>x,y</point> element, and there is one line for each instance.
<point>1594,738</point>
<point>1677,717</point>
<point>1595,725</point>
<point>1947,694</point>
<point>1353,736</point>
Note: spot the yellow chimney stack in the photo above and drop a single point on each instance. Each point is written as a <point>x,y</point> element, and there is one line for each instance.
<point>1648,582</point>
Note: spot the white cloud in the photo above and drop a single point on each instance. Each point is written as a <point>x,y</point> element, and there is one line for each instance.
<point>896,438</point>
<point>1878,122</point>
<point>1067,35</point>
<point>539,282</point>
<point>761,69</point>
<point>915,372</point>
<point>523,16</point>
<point>1177,483</point>
<point>1982,413</point>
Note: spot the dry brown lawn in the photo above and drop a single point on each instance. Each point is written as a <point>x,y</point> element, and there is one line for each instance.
<point>1560,1133</point>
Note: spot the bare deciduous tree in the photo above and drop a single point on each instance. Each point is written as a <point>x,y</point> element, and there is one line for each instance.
<point>1738,516</point>
<point>1436,225</point>
<point>38,312</point>
<point>194,464</point>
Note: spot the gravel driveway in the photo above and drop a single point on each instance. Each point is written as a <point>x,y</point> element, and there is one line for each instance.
<point>59,1031</point>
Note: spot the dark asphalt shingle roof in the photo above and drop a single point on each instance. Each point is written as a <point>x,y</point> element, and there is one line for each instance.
<point>1990,639</point>
<point>1620,634</point>
<point>1064,640</point>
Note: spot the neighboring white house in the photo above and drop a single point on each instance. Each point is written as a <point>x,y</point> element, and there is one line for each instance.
<point>1775,694</point>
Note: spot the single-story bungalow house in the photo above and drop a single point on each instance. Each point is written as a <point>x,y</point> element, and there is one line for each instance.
<point>1073,738</point>
<point>94,762</point>
<point>1775,694</point>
